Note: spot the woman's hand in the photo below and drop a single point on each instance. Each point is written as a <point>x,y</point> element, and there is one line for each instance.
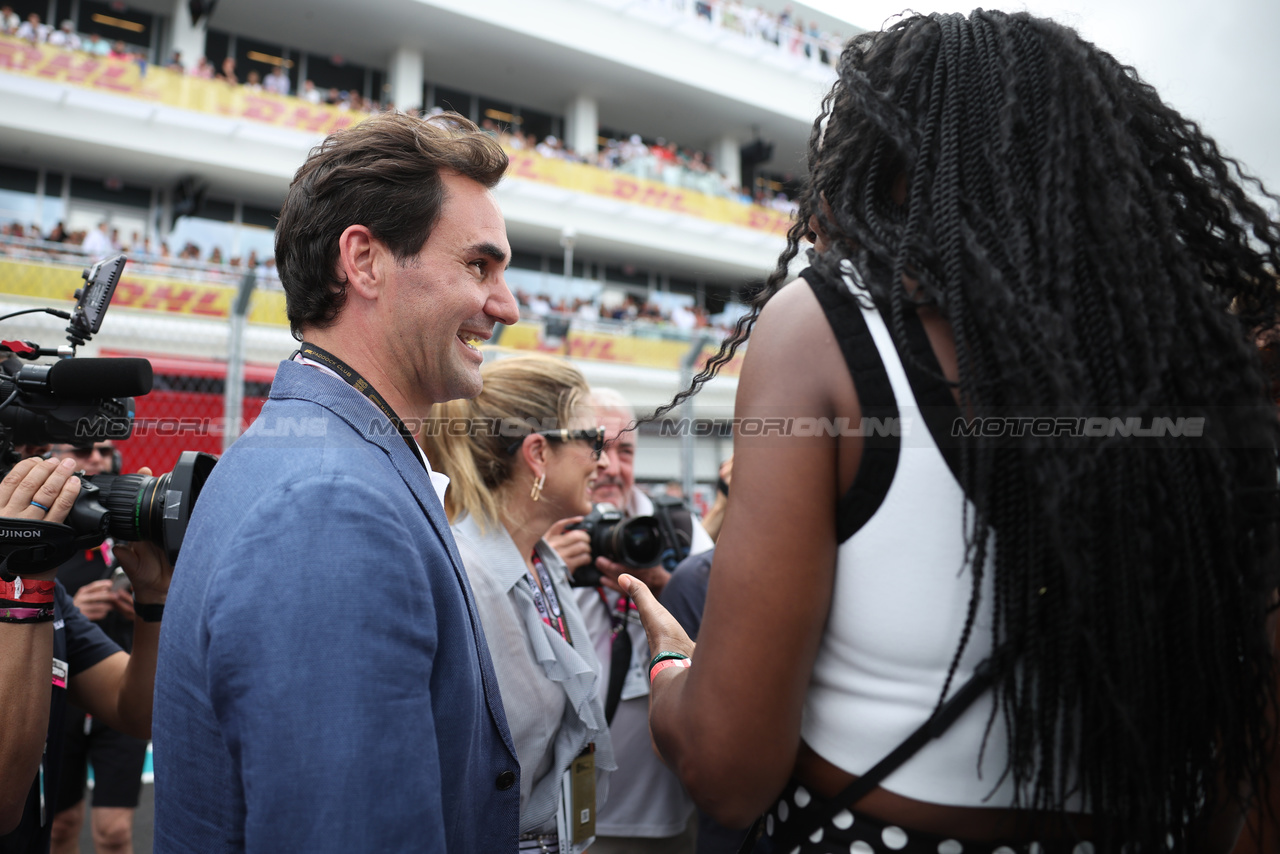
<point>664,632</point>
<point>654,577</point>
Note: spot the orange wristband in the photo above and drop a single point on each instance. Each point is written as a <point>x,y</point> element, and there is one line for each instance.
<point>670,662</point>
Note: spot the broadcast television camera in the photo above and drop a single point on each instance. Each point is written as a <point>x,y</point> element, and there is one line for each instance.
<point>79,401</point>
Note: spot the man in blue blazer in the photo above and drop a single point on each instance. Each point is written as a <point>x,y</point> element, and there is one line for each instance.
<point>323,681</point>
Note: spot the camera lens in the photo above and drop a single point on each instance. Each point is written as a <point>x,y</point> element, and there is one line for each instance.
<point>155,509</point>
<point>135,505</point>
<point>635,542</point>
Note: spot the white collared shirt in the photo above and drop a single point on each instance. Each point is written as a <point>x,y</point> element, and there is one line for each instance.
<point>439,482</point>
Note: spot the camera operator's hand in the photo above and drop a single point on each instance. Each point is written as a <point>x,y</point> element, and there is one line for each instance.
<point>574,547</point>
<point>96,599</point>
<point>147,567</point>
<point>122,601</point>
<point>654,577</point>
<point>51,483</point>
<point>714,519</point>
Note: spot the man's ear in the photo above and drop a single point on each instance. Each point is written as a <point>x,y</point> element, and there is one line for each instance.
<point>362,260</point>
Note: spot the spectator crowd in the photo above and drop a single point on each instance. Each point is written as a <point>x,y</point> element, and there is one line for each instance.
<point>29,242</point>
<point>659,160</point>
<point>65,36</point>
<point>145,255</point>
<point>785,30</point>
<point>632,309</point>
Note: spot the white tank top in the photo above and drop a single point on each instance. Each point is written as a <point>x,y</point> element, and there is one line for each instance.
<point>901,592</point>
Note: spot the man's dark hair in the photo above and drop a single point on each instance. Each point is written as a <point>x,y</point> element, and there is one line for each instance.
<point>1095,255</point>
<point>385,174</point>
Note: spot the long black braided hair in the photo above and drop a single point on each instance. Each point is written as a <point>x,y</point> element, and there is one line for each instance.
<point>1095,255</point>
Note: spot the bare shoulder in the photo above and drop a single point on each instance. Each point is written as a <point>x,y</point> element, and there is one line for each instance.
<point>792,353</point>
<point>795,367</point>
<point>793,309</point>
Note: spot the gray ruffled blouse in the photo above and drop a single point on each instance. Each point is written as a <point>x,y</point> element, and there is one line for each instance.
<point>552,691</point>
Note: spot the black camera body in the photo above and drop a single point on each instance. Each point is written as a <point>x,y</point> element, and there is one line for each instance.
<point>638,542</point>
<point>635,543</point>
<point>80,401</point>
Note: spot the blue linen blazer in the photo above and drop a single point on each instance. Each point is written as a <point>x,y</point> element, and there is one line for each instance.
<point>324,684</point>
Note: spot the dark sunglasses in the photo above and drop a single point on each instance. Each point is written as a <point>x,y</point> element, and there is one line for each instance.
<point>594,435</point>
<point>104,450</point>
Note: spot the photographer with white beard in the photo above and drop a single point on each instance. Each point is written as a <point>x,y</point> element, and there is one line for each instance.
<point>648,808</point>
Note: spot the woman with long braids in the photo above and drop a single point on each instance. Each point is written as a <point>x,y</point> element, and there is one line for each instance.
<point>1062,559</point>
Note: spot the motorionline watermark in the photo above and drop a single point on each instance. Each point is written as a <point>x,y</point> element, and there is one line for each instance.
<point>1073,427</point>
<point>511,428</point>
<point>901,426</point>
<point>125,428</point>
<point>104,427</point>
<point>802,427</point>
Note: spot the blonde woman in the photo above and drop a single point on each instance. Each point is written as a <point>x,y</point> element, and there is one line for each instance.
<point>527,458</point>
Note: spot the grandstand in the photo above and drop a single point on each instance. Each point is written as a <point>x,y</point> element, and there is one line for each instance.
<point>653,144</point>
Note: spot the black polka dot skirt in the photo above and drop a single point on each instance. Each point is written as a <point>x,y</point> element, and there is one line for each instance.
<point>849,832</point>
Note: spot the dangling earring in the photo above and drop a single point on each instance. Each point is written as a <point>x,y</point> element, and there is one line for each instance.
<point>536,492</point>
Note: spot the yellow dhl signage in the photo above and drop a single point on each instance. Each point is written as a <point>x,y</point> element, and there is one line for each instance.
<point>603,347</point>
<point>56,286</point>
<point>170,88</point>
<point>654,194</point>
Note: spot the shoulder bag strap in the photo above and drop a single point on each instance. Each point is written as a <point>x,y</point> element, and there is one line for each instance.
<point>936,725</point>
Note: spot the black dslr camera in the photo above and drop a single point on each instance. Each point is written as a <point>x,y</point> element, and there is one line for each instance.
<point>79,401</point>
<point>634,542</point>
<point>638,542</point>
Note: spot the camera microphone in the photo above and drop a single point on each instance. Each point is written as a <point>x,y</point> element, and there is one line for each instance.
<point>87,378</point>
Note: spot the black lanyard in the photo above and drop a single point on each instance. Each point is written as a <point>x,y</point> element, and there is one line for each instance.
<point>366,388</point>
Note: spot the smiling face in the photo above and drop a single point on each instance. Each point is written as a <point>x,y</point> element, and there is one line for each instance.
<point>572,470</point>
<point>445,300</point>
<point>614,483</point>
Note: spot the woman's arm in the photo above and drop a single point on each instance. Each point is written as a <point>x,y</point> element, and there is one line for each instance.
<point>730,724</point>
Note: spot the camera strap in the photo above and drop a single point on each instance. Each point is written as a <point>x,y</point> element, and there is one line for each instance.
<point>29,546</point>
<point>362,385</point>
<point>620,650</point>
<point>678,546</point>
